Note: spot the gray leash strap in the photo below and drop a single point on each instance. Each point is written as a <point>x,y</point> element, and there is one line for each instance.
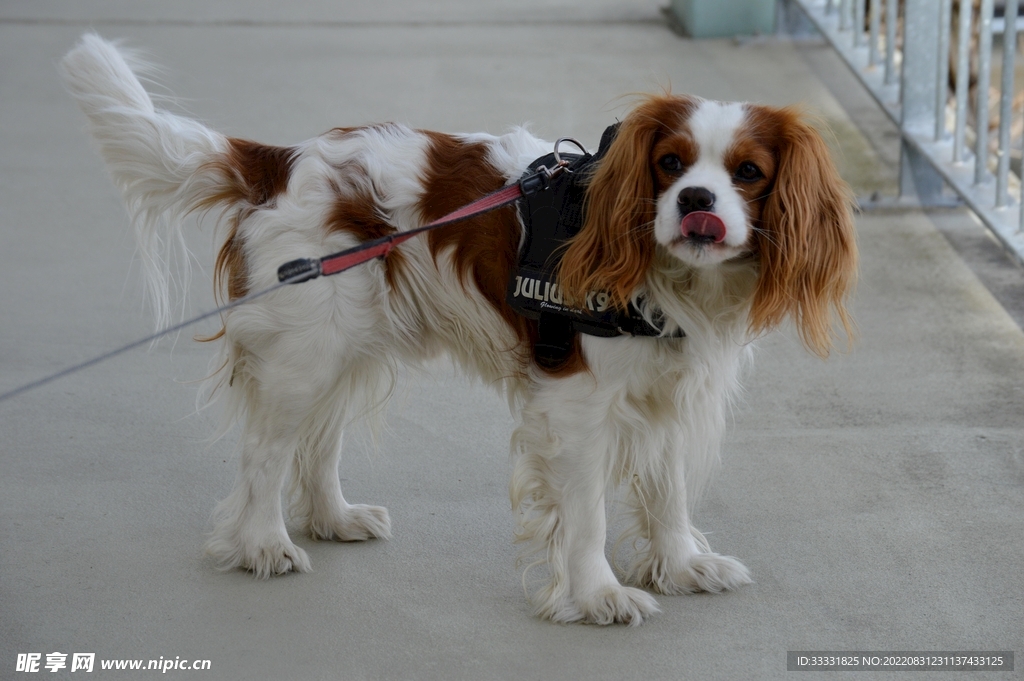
<point>142,341</point>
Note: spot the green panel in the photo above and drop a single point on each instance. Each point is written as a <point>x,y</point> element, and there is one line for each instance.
<point>724,18</point>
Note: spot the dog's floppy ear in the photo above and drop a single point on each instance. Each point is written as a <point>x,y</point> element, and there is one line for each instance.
<point>615,246</point>
<point>806,240</point>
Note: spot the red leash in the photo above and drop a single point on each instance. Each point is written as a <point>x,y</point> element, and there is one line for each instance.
<point>304,269</point>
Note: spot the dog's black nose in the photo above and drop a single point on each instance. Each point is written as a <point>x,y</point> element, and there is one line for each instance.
<point>695,198</point>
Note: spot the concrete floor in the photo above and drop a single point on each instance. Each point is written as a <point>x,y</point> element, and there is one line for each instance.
<point>878,498</point>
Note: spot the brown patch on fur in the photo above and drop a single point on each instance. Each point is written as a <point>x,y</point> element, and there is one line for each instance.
<point>256,173</point>
<point>485,248</point>
<point>253,176</point>
<point>682,145</point>
<point>355,213</point>
<point>752,145</point>
<point>615,246</point>
<point>229,272</point>
<point>806,239</point>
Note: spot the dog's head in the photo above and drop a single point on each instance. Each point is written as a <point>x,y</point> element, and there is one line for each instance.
<point>710,183</point>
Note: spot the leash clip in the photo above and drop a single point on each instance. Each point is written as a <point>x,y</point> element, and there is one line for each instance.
<point>541,179</point>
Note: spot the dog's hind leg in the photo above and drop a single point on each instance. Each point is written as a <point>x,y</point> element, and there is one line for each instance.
<point>320,505</point>
<point>297,398</point>
<point>287,386</point>
<point>249,530</point>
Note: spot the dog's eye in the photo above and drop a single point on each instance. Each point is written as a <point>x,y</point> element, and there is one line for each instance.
<point>748,172</point>
<point>671,163</point>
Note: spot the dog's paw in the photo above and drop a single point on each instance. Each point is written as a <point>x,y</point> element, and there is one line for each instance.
<point>356,522</point>
<point>612,604</point>
<point>277,559</point>
<point>702,572</point>
<point>617,605</point>
<point>267,558</point>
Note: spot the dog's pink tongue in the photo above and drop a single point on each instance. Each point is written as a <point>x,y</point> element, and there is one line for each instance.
<point>703,224</point>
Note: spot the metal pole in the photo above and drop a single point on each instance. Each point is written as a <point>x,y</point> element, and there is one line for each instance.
<point>890,41</point>
<point>1006,103</point>
<point>942,77</point>
<point>873,55</point>
<point>981,102</point>
<point>963,75</point>
<point>858,23</point>
<point>918,178</point>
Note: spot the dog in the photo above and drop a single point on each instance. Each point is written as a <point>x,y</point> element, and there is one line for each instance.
<point>716,220</point>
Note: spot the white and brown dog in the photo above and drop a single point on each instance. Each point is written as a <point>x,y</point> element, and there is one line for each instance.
<point>774,239</point>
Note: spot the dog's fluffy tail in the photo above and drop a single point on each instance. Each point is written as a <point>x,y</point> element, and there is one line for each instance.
<point>165,165</point>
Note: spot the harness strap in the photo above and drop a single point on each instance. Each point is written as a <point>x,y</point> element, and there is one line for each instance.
<point>550,221</point>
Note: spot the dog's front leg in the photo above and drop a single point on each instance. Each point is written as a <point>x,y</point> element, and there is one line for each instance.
<point>677,558</point>
<point>563,453</point>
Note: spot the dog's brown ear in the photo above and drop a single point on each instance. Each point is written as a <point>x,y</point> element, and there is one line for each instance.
<point>806,240</point>
<point>615,246</point>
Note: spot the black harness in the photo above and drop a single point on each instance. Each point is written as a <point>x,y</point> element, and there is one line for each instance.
<point>551,218</point>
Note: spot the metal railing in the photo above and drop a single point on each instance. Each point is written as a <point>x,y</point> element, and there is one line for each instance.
<point>907,70</point>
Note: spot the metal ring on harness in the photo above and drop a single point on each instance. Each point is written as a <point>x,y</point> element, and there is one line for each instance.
<point>570,140</point>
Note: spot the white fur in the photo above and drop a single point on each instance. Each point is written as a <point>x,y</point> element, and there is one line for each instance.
<point>306,360</point>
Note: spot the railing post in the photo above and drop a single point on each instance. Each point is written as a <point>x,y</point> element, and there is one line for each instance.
<point>929,166</point>
<point>1006,103</point>
<point>984,80</point>
<point>891,20</point>
<point>942,72</point>
<point>918,179</point>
